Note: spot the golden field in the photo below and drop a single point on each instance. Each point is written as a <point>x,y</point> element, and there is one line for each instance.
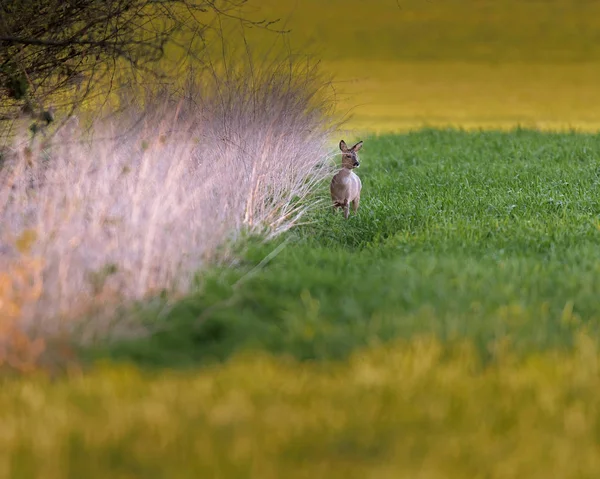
<point>396,96</point>
<point>417,409</point>
<point>406,64</point>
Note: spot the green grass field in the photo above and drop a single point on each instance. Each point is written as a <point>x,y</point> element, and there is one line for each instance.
<point>486,236</point>
<point>448,330</point>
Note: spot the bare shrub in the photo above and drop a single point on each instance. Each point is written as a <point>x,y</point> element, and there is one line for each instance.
<point>139,203</point>
<point>71,50</point>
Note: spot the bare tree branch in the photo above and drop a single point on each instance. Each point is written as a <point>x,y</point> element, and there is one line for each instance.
<point>49,48</point>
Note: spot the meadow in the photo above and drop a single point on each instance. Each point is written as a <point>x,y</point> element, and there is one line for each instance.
<point>488,236</point>
<point>447,330</point>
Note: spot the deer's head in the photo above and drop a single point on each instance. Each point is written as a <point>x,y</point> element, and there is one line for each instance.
<point>349,155</point>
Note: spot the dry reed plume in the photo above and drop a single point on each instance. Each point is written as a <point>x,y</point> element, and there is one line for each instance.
<point>139,203</point>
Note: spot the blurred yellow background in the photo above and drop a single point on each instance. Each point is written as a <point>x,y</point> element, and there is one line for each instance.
<point>404,64</point>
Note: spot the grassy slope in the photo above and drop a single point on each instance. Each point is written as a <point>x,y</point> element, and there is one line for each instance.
<point>488,236</point>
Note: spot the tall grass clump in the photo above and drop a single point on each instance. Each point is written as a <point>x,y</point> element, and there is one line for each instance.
<point>137,203</point>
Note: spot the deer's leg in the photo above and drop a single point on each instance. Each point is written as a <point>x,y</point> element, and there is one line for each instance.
<point>346,210</point>
<point>355,203</point>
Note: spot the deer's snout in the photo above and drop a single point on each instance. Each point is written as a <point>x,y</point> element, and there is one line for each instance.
<point>356,164</point>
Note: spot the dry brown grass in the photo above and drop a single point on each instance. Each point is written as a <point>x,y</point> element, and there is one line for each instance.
<point>20,283</point>
<point>140,202</point>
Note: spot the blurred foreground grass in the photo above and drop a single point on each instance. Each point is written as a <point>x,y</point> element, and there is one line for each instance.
<point>408,409</point>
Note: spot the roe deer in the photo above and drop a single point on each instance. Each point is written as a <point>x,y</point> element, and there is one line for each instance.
<point>345,185</point>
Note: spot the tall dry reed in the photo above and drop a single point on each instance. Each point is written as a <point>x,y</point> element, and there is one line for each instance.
<point>139,202</point>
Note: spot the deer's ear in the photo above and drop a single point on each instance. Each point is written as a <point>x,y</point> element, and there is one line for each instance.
<point>357,147</point>
<point>343,146</point>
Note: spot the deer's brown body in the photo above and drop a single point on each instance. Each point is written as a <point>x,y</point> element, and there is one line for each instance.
<point>345,186</point>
